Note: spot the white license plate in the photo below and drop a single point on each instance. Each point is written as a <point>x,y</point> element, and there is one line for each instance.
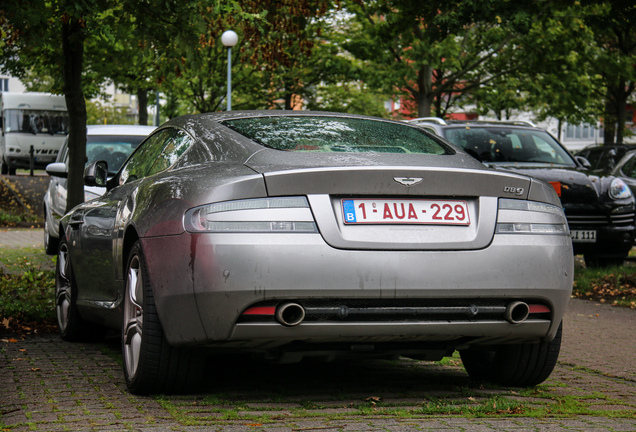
<point>579,236</point>
<point>398,211</point>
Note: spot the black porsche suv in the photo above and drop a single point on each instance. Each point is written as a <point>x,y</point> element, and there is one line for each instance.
<point>599,207</point>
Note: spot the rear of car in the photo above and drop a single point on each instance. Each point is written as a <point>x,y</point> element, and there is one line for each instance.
<point>366,246</point>
<point>599,207</point>
<point>317,235</point>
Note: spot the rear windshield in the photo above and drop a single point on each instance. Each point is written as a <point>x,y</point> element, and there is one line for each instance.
<point>336,134</point>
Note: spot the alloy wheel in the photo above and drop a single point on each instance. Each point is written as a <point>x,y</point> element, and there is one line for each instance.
<point>63,288</point>
<point>133,317</point>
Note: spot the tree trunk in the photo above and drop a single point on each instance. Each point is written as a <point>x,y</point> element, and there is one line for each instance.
<point>73,51</point>
<point>425,94</point>
<point>609,120</point>
<point>621,110</point>
<point>288,101</point>
<point>142,101</point>
<point>288,93</point>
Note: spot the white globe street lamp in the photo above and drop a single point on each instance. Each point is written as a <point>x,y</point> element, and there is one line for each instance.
<point>229,38</point>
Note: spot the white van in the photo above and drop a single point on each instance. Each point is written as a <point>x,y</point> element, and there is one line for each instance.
<point>37,121</point>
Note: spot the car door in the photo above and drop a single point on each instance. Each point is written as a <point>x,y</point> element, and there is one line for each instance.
<point>99,226</point>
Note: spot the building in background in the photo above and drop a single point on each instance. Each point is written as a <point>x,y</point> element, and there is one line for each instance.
<point>11,84</point>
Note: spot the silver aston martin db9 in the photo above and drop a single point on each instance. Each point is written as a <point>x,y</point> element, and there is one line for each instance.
<point>312,234</point>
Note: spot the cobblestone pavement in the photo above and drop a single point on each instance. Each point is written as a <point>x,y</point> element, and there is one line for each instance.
<point>50,385</point>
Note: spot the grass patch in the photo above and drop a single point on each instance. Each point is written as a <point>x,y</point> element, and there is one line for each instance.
<point>27,286</point>
<point>613,285</point>
<point>508,404</point>
<point>19,259</point>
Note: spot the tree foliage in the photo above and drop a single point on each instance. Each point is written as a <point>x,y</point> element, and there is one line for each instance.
<point>433,52</point>
<point>562,59</point>
<point>613,26</point>
<point>275,39</point>
<point>49,37</point>
<point>553,77</point>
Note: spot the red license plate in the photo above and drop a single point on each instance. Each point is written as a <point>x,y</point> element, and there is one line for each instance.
<point>399,211</point>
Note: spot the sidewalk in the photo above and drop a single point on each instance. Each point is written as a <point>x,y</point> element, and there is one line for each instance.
<point>21,237</point>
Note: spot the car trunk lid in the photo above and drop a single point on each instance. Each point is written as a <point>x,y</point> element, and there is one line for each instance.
<point>398,189</point>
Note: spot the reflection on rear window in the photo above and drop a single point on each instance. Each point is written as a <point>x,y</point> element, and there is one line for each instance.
<point>336,134</point>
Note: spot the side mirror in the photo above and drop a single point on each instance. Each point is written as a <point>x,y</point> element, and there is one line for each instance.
<point>96,174</point>
<point>57,169</point>
<point>586,163</point>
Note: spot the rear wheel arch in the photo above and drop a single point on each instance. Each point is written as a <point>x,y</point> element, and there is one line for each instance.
<point>130,238</point>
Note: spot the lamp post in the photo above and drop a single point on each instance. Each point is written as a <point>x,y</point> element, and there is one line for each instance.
<point>229,39</point>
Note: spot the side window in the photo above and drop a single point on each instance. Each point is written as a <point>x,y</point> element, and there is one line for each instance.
<point>62,156</point>
<point>175,146</point>
<point>159,152</point>
<point>140,162</point>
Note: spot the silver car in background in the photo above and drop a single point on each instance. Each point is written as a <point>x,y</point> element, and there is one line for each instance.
<point>311,234</point>
<point>111,143</point>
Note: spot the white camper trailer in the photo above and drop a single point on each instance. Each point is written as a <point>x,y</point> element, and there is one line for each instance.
<point>34,126</point>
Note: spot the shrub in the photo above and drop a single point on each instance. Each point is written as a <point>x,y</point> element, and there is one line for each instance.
<point>27,297</point>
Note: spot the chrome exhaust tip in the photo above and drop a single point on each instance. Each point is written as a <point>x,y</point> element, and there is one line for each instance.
<point>517,312</point>
<point>290,314</point>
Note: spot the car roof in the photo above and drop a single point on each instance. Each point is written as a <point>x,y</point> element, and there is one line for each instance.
<point>119,129</point>
<point>441,122</point>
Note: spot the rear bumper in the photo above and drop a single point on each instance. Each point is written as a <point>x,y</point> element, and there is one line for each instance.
<point>204,282</point>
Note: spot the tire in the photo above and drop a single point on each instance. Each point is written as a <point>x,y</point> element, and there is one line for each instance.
<point>73,327</point>
<point>519,365</point>
<point>596,261</point>
<point>51,244</point>
<point>4,169</point>
<point>151,364</point>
